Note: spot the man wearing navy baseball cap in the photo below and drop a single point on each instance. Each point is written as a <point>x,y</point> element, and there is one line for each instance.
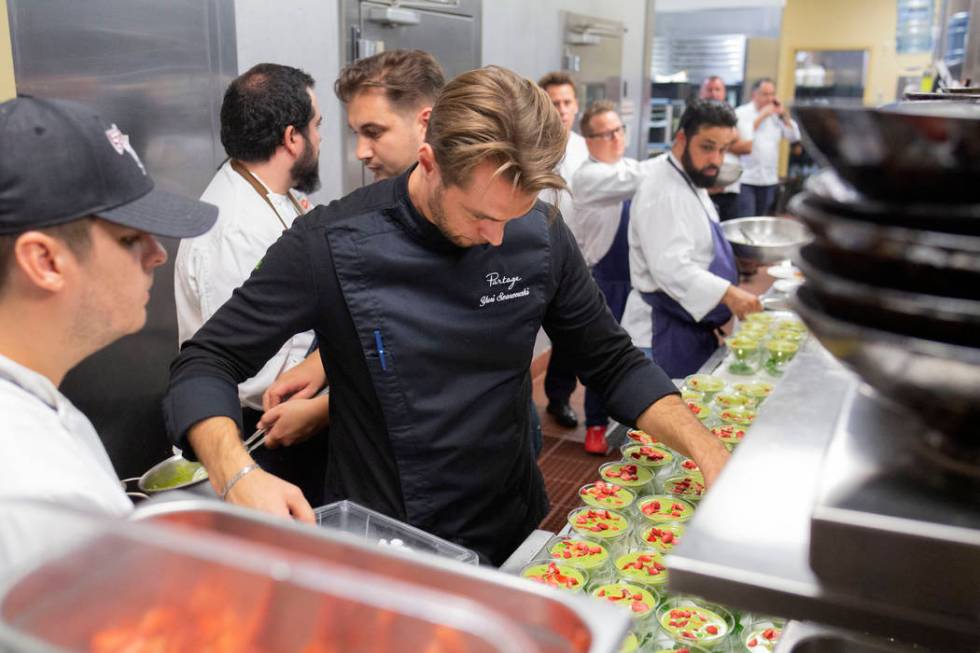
<point>78,216</point>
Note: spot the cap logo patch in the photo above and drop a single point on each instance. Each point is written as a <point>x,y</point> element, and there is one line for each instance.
<point>120,143</point>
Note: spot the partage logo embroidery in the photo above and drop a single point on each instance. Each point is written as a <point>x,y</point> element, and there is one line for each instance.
<point>502,289</point>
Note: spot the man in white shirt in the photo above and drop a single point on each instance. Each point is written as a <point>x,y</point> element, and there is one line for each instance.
<point>560,380</point>
<point>764,122</point>
<point>682,268</point>
<point>604,186</point>
<point>270,129</point>
<point>76,266</point>
<point>725,198</point>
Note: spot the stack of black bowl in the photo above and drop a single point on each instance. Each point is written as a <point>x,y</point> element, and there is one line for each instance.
<point>893,277</point>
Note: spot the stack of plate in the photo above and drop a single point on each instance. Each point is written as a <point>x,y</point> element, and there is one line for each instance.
<point>893,276</point>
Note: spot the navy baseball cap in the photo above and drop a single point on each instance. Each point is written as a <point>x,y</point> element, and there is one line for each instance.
<point>59,161</point>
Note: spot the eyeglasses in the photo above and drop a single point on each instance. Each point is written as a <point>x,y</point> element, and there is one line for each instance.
<point>611,134</point>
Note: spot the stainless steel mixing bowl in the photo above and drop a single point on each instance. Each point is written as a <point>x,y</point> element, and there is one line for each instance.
<point>766,239</point>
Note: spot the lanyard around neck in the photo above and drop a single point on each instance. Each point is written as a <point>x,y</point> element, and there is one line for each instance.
<point>240,168</point>
<point>690,185</point>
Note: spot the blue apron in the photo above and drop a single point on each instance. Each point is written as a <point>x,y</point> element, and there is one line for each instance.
<point>681,345</point>
<point>612,272</point>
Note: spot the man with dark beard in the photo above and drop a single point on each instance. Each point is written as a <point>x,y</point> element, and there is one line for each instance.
<point>270,130</point>
<point>682,269</point>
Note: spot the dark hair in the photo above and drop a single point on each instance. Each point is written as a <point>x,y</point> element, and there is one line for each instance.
<point>559,78</point>
<point>759,82</point>
<point>76,235</point>
<point>258,106</point>
<point>699,113</point>
<point>410,78</point>
<point>596,108</point>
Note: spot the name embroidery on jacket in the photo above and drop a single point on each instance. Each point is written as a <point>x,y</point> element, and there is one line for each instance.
<point>507,291</point>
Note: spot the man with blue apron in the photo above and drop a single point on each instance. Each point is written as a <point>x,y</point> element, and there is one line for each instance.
<point>426,317</point>
<point>685,281</point>
<point>603,189</point>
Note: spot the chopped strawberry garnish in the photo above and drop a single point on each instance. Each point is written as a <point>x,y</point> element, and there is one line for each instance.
<point>752,643</point>
<point>769,633</point>
<point>711,629</point>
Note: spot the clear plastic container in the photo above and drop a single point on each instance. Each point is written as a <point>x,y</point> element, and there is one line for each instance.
<point>607,526</point>
<point>556,575</point>
<point>383,530</point>
<point>629,475</point>
<point>761,634</point>
<point>652,456</point>
<point>688,486</point>
<point>606,495</point>
<point>730,434</point>
<point>663,508</point>
<point>745,352</point>
<point>779,354</point>
<point>638,601</point>
<point>661,537</point>
<point>731,398</point>
<point>758,391</point>
<point>644,567</point>
<point>738,415</point>
<point>693,621</point>
<point>582,553</point>
<point>640,437</point>
<point>705,383</point>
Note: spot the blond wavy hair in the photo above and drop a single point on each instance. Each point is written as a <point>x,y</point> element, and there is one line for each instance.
<point>493,114</point>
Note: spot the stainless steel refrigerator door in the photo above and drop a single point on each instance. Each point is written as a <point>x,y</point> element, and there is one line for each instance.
<point>449,30</point>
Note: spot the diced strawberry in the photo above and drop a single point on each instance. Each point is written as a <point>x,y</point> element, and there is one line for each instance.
<point>637,597</point>
<point>593,550</point>
<point>711,629</point>
<point>752,643</point>
<point>639,606</point>
<point>667,537</point>
<point>602,593</point>
<point>769,633</point>
<point>688,635</point>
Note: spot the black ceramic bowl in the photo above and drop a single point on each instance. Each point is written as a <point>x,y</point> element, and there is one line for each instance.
<point>927,153</point>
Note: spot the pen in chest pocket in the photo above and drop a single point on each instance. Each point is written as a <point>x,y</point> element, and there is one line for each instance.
<point>380,346</point>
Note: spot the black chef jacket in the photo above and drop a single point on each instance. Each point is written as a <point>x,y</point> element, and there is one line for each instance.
<point>427,346</point>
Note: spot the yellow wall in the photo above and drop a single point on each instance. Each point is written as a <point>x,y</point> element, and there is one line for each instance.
<point>7,88</point>
<point>847,25</point>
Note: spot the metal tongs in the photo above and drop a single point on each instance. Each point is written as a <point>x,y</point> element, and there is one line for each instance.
<point>255,440</point>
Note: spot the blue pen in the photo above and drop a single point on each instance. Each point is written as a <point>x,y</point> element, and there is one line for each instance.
<point>379,345</point>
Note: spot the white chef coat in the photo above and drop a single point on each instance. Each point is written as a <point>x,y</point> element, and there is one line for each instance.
<point>600,190</point>
<point>209,267</point>
<point>49,451</point>
<point>671,248</point>
<point>761,166</point>
<point>576,153</point>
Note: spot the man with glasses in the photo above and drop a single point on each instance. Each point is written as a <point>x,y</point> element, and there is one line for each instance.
<point>604,186</point>
<point>682,268</point>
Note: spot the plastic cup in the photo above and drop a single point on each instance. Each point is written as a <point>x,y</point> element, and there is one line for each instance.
<point>780,353</point>
<point>640,437</point>
<point>557,575</point>
<point>688,486</point>
<point>664,508</point>
<point>705,383</point>
<point>653,456</point>
<point>606,526</point>
<point>729,399</point>
<point>761,635</point>
<point>645,567</point>
<point>693,621</point>
<point>606,495</point>
<point>745,351</point>
<point>660,537</point>
<point>730,434</point>
<point>757,391</point>
<point>637,600</point>
<point>584,554</point>
<point>738,415</point>
<point>701,410</point>
<point>629,475</point>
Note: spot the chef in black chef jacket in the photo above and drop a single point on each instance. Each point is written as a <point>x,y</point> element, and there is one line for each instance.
<point>426,292</point>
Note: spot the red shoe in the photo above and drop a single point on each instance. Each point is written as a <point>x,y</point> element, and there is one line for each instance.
<point>595,440</point>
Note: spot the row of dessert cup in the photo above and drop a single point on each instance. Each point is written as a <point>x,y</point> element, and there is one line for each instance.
<point>661,622</point>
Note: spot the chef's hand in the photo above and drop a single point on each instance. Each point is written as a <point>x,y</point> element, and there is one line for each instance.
<point>263,491</point>
<point>673,422</point>
<point>741,302</point>
<point>218,445</point>
<point>300,382</point>
<point>295,421</point>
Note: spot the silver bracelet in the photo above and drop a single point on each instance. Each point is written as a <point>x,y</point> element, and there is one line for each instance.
<point>237,477</point>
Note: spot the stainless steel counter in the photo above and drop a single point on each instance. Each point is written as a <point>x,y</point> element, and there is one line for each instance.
<point>749,543</point>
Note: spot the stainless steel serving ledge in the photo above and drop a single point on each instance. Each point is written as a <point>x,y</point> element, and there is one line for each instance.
<point>749,543</point>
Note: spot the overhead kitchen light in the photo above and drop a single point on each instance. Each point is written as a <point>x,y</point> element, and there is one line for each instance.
<point>393,16</point>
